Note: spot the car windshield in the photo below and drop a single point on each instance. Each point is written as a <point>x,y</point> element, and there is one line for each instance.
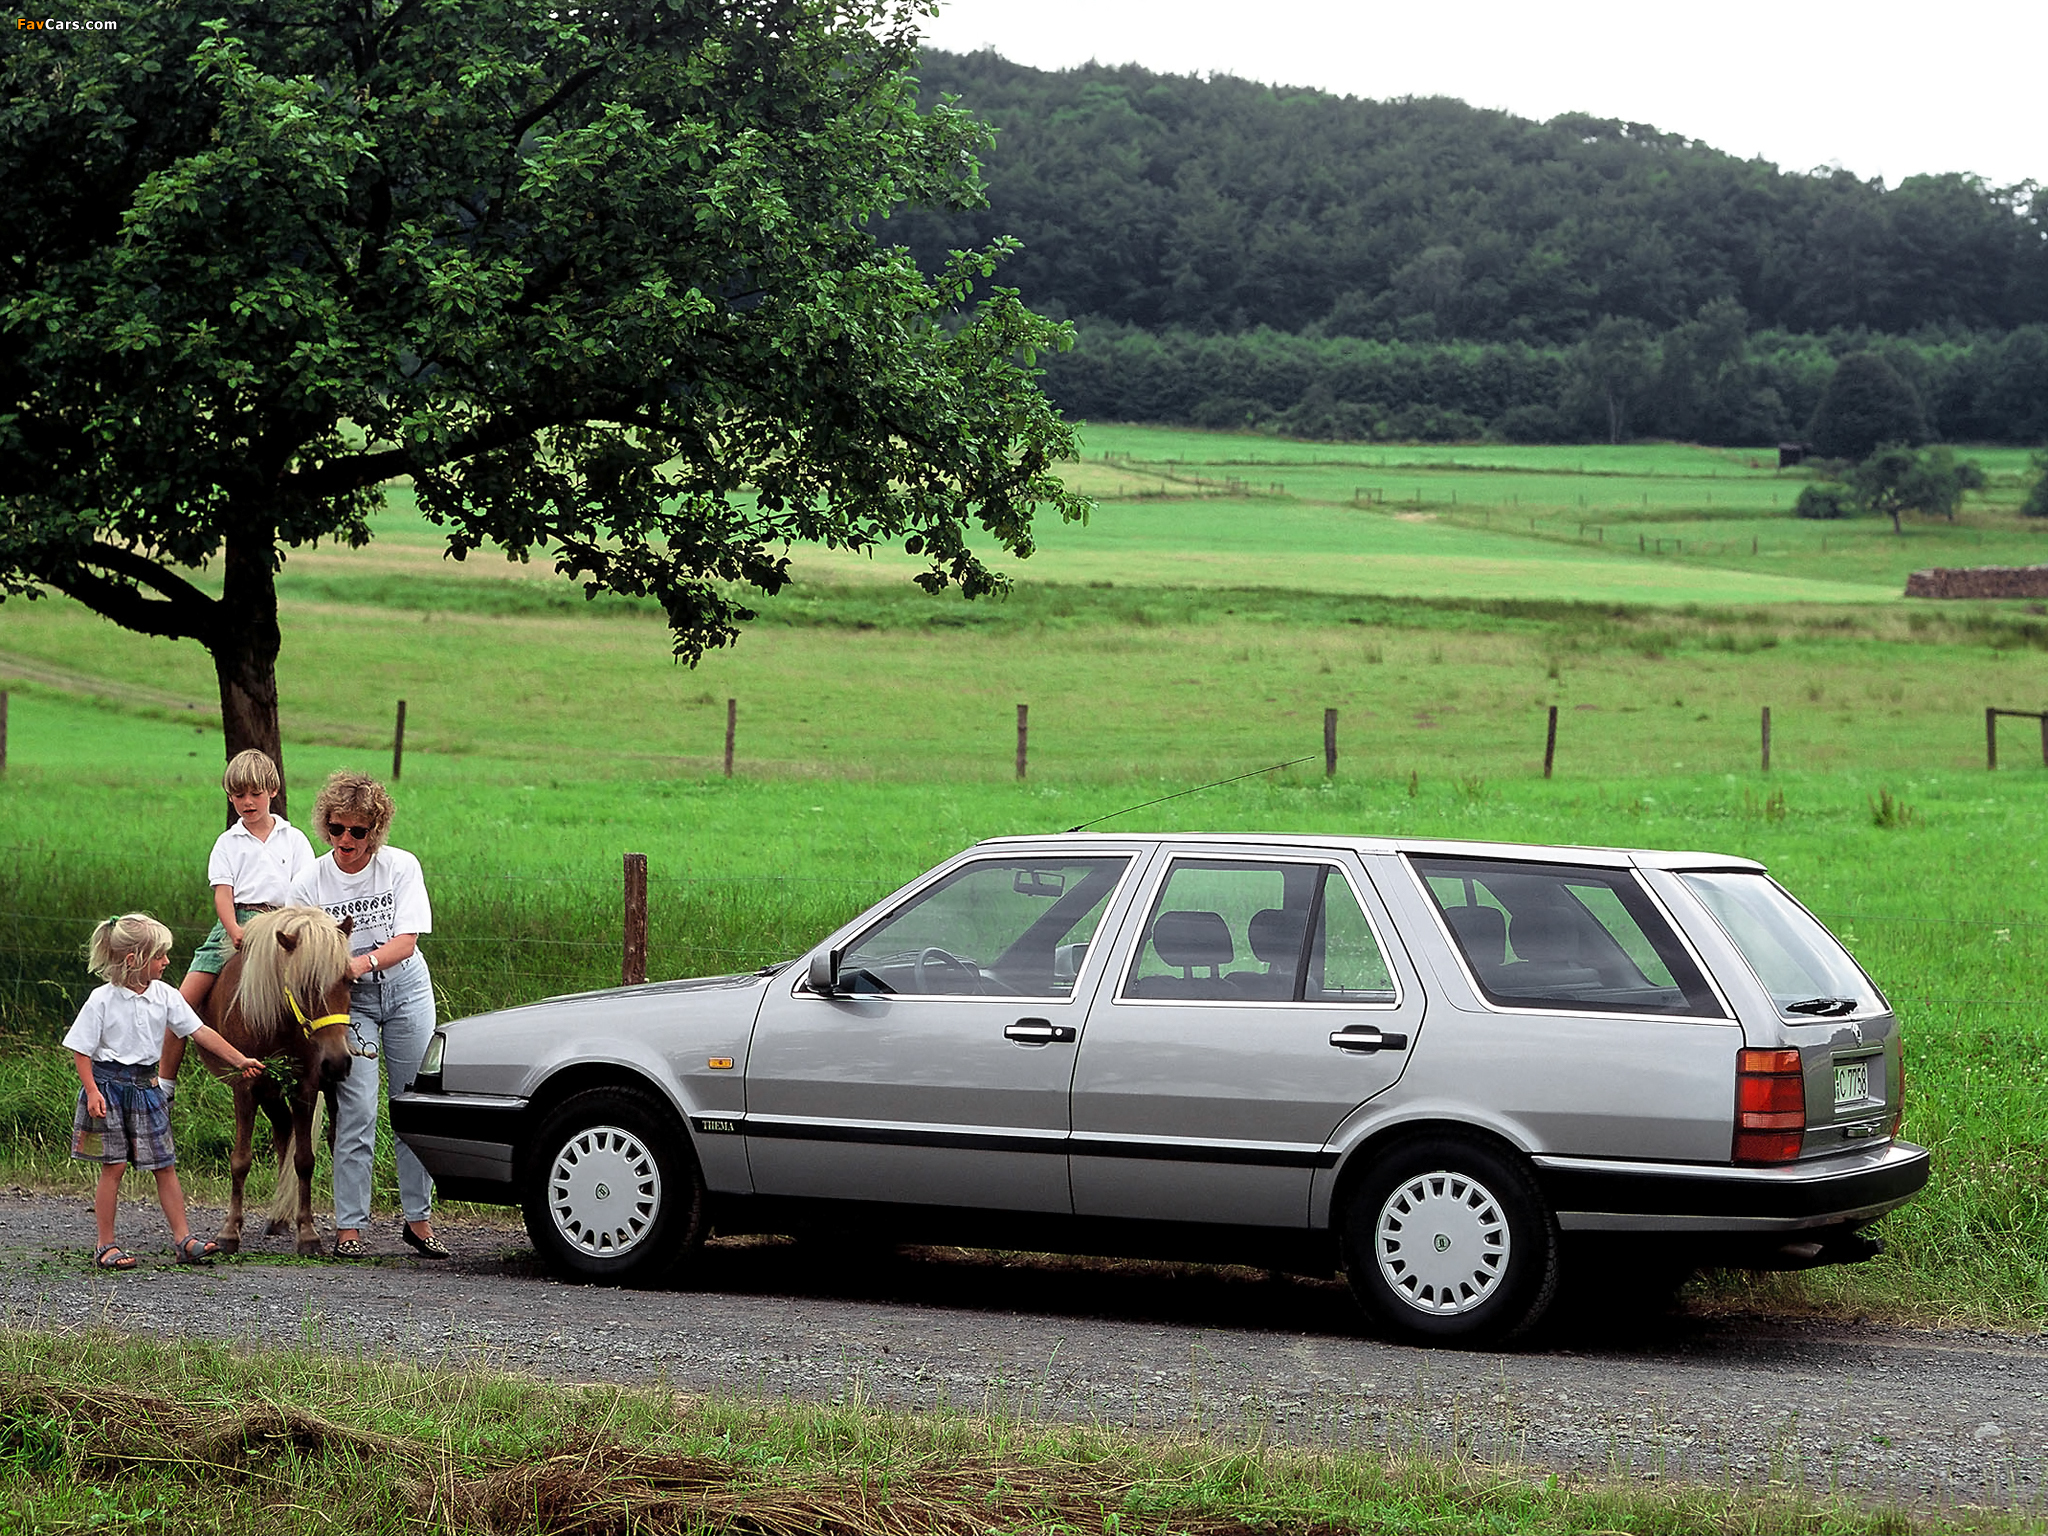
<point>1802,966</point>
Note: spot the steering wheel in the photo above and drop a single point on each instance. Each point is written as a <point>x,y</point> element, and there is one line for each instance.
<point>942,958</point>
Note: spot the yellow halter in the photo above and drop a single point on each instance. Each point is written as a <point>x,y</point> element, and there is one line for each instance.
<point>310,1025</point>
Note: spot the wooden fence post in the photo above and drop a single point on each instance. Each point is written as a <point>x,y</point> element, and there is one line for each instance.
<point>1330,743</point>
<point>398,742</point>
<point>1023,737</point>
<point>633,969</point>
<point>1767,738</point>
<point>732,720</point>
<point>1990,739</point>
<point>1550,743</point>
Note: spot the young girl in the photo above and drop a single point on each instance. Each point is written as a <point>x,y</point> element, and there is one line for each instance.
<point>120,1116</point>
<point>251,870</point>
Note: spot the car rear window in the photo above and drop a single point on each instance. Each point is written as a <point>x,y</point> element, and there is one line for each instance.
<point>1565,936</point>
<point>1801,964</point>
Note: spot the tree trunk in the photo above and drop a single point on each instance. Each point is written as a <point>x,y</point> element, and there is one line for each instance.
<point>245,651</point>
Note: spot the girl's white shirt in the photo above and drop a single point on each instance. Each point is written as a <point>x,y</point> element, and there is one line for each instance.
<point>119,1025</point>
<point>387,896</point>
<point>260,870</point>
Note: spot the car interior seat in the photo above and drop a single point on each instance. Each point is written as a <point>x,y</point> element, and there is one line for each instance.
<point>1275,939</point>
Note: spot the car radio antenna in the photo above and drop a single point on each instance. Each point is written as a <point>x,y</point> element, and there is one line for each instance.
<point>1107,815</point>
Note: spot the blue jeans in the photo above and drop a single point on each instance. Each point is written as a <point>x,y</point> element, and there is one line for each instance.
<point>394,1011</point>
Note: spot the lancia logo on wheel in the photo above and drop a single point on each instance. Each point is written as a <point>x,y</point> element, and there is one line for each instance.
<point>604,1192</point>
<point>1443,1243</point>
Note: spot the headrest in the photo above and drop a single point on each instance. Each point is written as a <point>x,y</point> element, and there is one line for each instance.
<point>1186,939</point>
<point>1545,933</point>
<point>1275,936</point>
<point>1483,931</point>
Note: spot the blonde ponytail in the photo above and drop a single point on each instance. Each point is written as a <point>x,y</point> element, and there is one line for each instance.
<point>122,948</point>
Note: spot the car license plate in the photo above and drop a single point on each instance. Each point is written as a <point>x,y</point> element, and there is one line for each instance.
<point>1852,1082</point>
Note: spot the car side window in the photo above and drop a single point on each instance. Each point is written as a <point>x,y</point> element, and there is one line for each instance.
<point>1238,931</point>
<point>1563,936</point>
<point>997,927</point>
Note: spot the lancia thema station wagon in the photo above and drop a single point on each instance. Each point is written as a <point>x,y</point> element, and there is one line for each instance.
<point>1434,1066</point>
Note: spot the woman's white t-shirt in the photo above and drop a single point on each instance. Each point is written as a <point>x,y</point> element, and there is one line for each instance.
<point>388,896</point>
<point>260,872</point>
<point>119,1025</point>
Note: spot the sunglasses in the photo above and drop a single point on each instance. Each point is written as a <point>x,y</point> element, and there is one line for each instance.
<point>335,829</point>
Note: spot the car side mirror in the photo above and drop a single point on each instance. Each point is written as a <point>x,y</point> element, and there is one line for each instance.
<point>824,976</point>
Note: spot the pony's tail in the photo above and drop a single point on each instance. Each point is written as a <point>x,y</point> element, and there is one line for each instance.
<point>284,1202</point>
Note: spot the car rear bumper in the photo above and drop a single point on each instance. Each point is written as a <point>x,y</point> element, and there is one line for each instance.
<point>1608,1195</point>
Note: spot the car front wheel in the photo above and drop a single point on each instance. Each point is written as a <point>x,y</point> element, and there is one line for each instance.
<point>1448,1241</point>
<point>612,1192</point>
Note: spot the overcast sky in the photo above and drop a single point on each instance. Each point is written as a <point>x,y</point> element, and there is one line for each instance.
<point>1883,88</point>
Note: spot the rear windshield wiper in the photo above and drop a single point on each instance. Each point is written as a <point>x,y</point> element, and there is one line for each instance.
<point>1823,1007</point>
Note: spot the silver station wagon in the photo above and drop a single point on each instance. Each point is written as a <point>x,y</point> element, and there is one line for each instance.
<point>1451,1070</point>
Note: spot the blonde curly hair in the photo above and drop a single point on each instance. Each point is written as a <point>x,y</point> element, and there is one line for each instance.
<point>357,799</point>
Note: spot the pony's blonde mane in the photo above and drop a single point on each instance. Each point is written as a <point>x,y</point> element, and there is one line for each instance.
<point>318,960</point>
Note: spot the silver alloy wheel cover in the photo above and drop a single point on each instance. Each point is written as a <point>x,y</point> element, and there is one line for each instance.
<point>1441,1242</point>
<point>604,1191</point>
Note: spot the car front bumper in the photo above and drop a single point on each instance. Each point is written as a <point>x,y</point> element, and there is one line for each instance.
<point>467,1141</point>
<point>1849,1190</point>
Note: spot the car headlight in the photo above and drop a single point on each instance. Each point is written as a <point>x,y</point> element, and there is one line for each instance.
<point>429,1075</point>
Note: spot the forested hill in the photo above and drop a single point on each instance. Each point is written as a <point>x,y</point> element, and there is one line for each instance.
<point>1223,205</point>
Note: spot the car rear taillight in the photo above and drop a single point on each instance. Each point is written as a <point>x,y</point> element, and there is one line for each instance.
<point>1899,1104</point>
<point>1770,1106</point>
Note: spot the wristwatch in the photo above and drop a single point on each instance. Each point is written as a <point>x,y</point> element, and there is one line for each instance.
<point>374,966</point>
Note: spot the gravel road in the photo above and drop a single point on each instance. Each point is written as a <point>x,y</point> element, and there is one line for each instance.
<point>1914,1415</point>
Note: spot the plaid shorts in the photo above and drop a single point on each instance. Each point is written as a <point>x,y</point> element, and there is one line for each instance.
<point>138,1121</point>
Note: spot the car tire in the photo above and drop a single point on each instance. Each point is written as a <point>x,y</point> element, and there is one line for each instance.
<point>1447,1240</point>
<point>612,1191</point>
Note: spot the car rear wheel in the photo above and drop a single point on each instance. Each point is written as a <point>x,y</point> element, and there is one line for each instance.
<point>612,1191</point>
<point>1448,1241</point>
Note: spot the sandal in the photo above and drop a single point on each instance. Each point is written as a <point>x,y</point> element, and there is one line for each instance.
<point>113,1257</point>
<point>429,1247</point>
<point>196,1250</point>
<point>351,1248</point>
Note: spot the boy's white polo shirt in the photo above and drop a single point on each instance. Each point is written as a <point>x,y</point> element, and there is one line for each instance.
<point>260,870</point>
<point>118,1025</point>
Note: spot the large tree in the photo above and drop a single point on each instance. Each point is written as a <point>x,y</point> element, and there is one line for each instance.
<point>606,285</point>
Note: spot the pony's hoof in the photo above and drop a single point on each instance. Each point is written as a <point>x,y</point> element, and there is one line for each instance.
<point>311,1247</point>
<point>228,1244</point>
<point>279,1229</point>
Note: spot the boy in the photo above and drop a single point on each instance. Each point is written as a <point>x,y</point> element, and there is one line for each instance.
<point>251,870</point>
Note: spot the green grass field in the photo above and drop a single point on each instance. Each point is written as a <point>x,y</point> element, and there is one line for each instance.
<point>547,736</point>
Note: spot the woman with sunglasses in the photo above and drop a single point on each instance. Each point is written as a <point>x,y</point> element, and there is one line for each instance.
<point>391,1005</point>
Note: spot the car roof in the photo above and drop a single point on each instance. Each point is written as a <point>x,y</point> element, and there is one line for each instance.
<point>1551,853</point>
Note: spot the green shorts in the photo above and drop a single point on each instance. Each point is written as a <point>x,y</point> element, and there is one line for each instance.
<point>210,957</point>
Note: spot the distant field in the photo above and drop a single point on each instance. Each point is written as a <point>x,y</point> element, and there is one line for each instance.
<point>1660,523</point>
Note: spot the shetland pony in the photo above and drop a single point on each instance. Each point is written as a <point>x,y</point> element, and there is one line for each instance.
<point>284,998</point>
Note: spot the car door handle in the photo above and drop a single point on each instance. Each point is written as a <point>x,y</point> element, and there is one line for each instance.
<point>1366,1040</point>
<point>1038,1032</point>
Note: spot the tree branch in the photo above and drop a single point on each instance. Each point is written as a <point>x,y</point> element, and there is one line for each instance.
<point>186,614</point>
